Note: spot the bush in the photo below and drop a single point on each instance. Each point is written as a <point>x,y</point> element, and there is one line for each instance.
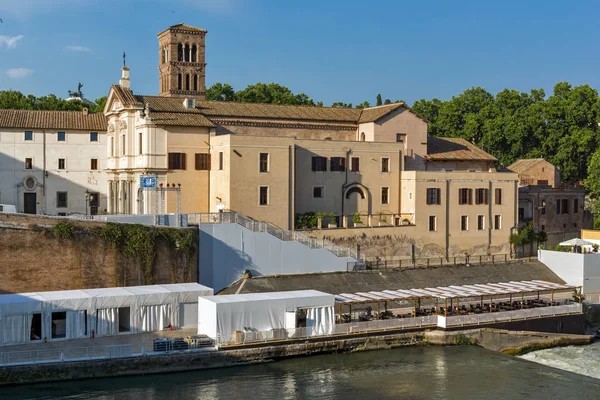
<point>356,219</point>
<point>63,230</point>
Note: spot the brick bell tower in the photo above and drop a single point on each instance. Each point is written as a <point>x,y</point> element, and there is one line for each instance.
<point>182,63</point>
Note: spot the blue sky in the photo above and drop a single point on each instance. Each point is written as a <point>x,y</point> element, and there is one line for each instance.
<point>332,50</point>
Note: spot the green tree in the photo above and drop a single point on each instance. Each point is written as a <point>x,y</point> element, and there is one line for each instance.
<point>100,103</point>
<point>271,93</point>
<point>220,92</point>
<point>364,104</point>
<point>387,101</point>
<point>341,104</point>
<point>379,102</point>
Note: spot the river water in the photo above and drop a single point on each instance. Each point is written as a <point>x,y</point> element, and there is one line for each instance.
<point>464,372</point>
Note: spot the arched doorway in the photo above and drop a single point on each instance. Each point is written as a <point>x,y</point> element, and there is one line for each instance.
<point>357,199</point>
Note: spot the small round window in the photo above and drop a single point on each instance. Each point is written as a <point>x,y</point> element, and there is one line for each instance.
<point>30,183</point>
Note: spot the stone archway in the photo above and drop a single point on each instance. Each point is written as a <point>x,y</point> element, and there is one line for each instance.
<point>357,199</point>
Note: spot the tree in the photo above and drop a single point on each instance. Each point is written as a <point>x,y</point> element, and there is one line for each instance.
<point>220,92</point>
<point>364,104</point>
<point>387,101</point>
<point>341,104</point>
<point>100,103</point>
<point>379,102</point>
<point>271,93</point>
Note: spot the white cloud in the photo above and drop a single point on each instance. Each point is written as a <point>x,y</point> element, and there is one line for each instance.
<point>16,73</point>
<point>10,41</point>
<point>77,48</point>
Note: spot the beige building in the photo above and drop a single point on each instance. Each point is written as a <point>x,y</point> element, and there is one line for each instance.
<point>536,171</point>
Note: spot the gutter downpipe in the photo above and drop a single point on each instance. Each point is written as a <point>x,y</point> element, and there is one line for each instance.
<point>348,152</point>
<point>43,210</point>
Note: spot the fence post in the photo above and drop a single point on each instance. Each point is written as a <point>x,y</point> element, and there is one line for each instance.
<point>428,262</point>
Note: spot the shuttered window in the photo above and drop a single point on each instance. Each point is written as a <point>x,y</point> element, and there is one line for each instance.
<point>176,160</point>
<point>202,161</point>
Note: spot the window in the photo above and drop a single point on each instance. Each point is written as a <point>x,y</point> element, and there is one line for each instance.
<point>176,160</point>
<point>558,204</point>
<point>202,162</point>
<point>263,162</point>
<point>263,196</point>
<point>565,206</point>
<point>481,196</point>
<point>355,164</point>
<point>220,161</point>
<point>61,163</point>
<point>94,164</point>
<point>542,181</point>
<point>575,206</point>
<point>28,135</point>
<point>434,196</point>
<point>140,142</point>
<point>432,223</point>
<point>29,163</point>
<point>497,222</point>
<point>59,325</point>
<point>498,196</point>
<point>385,164</point>
<point>464,223</point>
<point>318,192</point>
<point>385,193</point>
<point>480,222</point>
<point>319,164</point>
<point>61,137</point>
<point>179,81</point>
<point>543,227</point>
<point>338,164</point>
<point>465,196</point>
<point>400,137</point>
<point>61,199</point>
<point>93,136</point>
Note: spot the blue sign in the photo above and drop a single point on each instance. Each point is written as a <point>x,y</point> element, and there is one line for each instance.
<point>148,182</point>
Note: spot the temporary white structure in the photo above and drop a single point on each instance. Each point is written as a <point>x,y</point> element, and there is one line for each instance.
<point>576,242</point>
<point>76,314</point>
<point>222,316</point>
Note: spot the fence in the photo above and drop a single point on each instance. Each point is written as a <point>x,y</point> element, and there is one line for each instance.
<point>281,234</point>
<point>442,261</point>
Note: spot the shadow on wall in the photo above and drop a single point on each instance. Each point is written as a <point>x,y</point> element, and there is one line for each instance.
<point>23,187</point>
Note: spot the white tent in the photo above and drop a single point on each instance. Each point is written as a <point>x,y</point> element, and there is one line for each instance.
<point>576,242</point>
<point>73,314</point>
<point>222,316</point>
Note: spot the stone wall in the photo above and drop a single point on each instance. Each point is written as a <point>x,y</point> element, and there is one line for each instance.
<point>33,259</point>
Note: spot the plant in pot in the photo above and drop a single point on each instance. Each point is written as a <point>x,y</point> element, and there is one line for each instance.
<point>356,220</point>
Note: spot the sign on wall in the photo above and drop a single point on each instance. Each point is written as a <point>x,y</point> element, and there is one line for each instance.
<point>148,182</point>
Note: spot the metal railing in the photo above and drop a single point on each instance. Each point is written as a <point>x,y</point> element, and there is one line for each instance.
<point>443,261</point>
<point>273,230</point>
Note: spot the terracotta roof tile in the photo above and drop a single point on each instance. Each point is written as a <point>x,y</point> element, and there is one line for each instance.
<point>126,96</point>
<point>180,119</point>
<point>372,114</point>
<point>446,149</point>
<point>523,165</point>
<point>38,119</point>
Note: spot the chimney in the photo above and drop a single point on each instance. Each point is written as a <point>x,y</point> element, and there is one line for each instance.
<point>85,111</point>
<point>124,82</point>
<point>189,103</point>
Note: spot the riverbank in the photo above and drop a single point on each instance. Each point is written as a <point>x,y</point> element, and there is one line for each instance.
<point>493,339</point>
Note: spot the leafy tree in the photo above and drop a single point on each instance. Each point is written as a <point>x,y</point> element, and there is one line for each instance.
<point>271,93</point>
<point>220,92</point>
<point>341,104</point>
<point>379,102</point>
<point>364,104</point>
<point>387,101</point>
<point>100,103</point>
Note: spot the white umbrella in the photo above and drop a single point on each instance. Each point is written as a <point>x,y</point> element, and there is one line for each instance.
<point>576,242</point>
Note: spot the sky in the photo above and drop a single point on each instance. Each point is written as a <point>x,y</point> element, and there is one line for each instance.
<point>332,50</point>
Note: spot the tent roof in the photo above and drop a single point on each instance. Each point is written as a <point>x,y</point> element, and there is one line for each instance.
<point>576,242</point>
<point>248,297</point>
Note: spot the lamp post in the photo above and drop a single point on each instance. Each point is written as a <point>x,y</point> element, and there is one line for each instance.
<point>87,200</point>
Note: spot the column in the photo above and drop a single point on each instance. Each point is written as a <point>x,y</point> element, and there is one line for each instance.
<point>109,205</point>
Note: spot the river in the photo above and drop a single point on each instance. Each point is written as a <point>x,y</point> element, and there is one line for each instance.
<point>464,372</point>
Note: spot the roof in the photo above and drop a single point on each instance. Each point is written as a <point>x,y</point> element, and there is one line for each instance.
<point>181,119</point>
<point>40,119</point>
<point>270,296</point>
<point>450,149</point>
<point>524,164</point>
<point>372,114</point>
<point>184,27</point>
<point>404,278</point>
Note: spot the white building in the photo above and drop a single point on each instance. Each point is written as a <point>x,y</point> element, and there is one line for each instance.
<point>52,162</point>
<point>574,268</point>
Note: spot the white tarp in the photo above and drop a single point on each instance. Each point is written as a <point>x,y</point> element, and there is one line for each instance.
<point>223,315</point>
<point>150,307</point>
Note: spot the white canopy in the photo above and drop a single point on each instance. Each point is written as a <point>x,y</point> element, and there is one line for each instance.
<point>576,242</point>
<point>223,315</point>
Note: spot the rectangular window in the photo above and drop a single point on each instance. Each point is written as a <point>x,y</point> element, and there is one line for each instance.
<point>140,142</point>
<point>338,164</point>
<point>355,164</point>
<point>481,196</point>
<point>29,163</point>
<point>61,199</point>
<point>575,206</point>
<point>565,206</point>
<point>93,136</point>
<point>28,135</point>
<point>176,160</point>
<point>220,161</point>
<point>385,193</point>
<point>497,222</point>
<point>498,196</point>
<point>432,223</point>
<point>61,137</point>
<point>263,194</point>
<point>61,163</point>
<point>558,204</point>
<point>465,196</point>
<point>480,222</point>
<point>202,162</point>
<point>94,164</point>
<point>400,137</point>
<point>434,196</point>
<point>464,223</point>
<point>385,164</point>
<point>263,163</point>
<point>318,192</point>
<point>319,164</point>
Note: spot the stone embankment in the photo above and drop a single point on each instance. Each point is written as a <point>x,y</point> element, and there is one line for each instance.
<point>493,339</point>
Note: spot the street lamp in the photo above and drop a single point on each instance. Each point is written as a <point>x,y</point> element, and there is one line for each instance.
<point>87,200</point>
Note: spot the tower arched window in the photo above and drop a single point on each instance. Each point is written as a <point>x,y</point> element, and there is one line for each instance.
<point>179,52</point>
<point>187,52</point>
<point>362,137</point>
<point>194,53</point>
<point>195,82</point>
<point>179,81</point>
<point>187,81</point>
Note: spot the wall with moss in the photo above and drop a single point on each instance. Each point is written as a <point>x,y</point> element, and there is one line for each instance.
<point>43,254</point>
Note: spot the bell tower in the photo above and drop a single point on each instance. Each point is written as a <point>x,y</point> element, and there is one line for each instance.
<point>181,61</point>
